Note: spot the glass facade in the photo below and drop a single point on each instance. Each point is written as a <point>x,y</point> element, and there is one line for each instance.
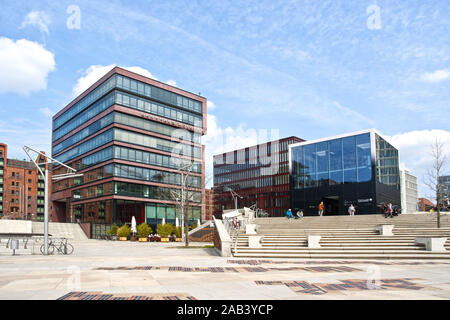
<point>101,195</point>
<point>192,115</point>
<point>334,162</point>
<point>361,169</point>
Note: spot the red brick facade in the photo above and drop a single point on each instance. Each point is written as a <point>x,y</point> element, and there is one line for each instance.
<point>21,189</point>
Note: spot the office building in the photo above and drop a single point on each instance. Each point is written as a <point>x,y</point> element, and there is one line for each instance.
<point>130,136</point>
<point>259,175</point>
<point>359,168</point>
<point>408,191</point>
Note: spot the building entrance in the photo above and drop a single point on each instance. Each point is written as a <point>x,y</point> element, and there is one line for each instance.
<point>331,205</point>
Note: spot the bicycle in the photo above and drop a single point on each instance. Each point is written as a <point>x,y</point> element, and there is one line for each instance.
<point>62,247</point>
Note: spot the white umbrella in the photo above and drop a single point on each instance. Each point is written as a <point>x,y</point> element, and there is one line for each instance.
<point>133,225</point>
<point>163,221</point>
<point>177,223</point>
<point>198,222</point>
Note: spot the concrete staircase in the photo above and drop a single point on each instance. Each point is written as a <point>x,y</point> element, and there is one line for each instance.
<point>61,230</point>
<point>345,237</point>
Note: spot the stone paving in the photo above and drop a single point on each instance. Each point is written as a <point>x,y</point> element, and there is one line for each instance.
<point>116,270</point>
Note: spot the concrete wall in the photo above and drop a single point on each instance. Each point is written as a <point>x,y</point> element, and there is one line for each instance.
<point>15,226</point>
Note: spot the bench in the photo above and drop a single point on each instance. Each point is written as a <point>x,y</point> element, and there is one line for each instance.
<point>432,243</point>
<point>385,229</point>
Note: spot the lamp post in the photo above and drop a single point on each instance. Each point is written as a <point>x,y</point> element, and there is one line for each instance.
<point>48,160</point>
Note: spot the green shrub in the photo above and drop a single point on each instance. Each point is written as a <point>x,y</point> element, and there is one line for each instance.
<point>177,231</point>
<point>124,231</point>
<point>113,230</point>
<point>192,226</point>
<point>164,230</point>
<point>143,230</point>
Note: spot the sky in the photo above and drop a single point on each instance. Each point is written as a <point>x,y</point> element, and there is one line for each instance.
<point>269,69</point>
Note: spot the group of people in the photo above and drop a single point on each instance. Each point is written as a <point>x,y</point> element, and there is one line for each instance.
<point>321,207</point>
<point>298,215</point>
<point>390,210</point>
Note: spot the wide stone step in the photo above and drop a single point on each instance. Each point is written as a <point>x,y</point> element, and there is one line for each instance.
<point>375,256</point>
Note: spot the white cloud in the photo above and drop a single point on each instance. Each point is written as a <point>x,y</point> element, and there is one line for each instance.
<point>47,112</point>
<point>38,19</point>
<point>224,139</point>
<point>172,83</point>
<point>210,105</point>
<point>95,72</point>
<point>24,66</point>
<point>436,76</point>
<point>415,149</point>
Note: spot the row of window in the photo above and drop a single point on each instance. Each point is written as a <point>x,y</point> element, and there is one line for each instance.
<point>158,109</point>
<point>132,190</point>
<point>157,143</point>
<point>156,127</point>
<point>85,116</point>
<point>138,173</point>
<point>128,101</point>
<point>157,93</point>
<point>86,132</point>
<point>128,120</point>
<point>258,181</point>
<point>154,159</point>
<point>159,193</point>
<point>85,102</point>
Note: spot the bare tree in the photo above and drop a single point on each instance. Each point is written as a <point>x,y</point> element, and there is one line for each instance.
<point>432,180</point>
<point>185,196</point>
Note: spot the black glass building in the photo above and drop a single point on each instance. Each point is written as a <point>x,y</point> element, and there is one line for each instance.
<point>359,168</point>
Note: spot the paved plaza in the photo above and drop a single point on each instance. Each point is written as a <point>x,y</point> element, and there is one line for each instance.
<point>108,270</point>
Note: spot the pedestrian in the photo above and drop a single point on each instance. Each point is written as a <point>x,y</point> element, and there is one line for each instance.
<point>235,223</point>
<point>389,210</point>
<point>385,209</point>
<point>289,214</point>
<point>321,206</point>
<point>299,214</point>
<point>351,210</point>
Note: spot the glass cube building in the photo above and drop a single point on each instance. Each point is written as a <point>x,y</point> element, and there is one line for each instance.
<point>129,135</point>
<point>359,168</point>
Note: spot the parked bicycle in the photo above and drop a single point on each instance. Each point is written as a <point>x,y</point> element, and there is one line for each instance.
<point>61,246</point>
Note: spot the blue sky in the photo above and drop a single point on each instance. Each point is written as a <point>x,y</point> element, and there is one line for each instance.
<point>306,68</point>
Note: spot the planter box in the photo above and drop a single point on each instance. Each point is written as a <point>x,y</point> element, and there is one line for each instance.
<point>178,239</point>
<point>164,239</point>
<point>133,238</point>
<point>143,239</point>
<point>123,238</point>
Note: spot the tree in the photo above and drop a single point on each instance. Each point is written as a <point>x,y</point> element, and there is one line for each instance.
<point>432,180</point>
<point>184,196</point>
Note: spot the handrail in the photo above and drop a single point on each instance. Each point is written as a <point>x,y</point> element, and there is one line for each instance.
<point>236,234</point>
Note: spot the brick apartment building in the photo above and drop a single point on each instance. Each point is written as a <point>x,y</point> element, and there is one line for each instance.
<point>21,189</point>
<point>425,204</point>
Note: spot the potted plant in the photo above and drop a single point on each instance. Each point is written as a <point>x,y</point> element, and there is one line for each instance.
<point>164,230</point>
<point>123,232</point>
<point>112,233</point>
<point>143,230</point>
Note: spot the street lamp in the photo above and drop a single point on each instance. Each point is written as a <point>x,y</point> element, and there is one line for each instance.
<point>48,160</point>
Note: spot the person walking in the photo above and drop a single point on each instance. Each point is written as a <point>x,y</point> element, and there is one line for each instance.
<point>321,207</point>
<point>351,210</point>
